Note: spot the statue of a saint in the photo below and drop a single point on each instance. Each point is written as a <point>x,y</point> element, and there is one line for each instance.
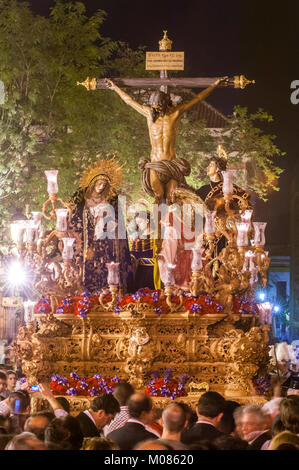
<point>212,195</point>
<point>213,190</point>
<point>164,172</point>
<point>95,213</point>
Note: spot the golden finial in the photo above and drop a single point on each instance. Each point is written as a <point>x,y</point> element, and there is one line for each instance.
<point>89,83</point>
<point>165,44</point>
<point>240,81</point>
<point>222,153</point>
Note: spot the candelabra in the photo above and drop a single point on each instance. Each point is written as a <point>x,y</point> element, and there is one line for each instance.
<point>59,278</point>
<point>231,265</point>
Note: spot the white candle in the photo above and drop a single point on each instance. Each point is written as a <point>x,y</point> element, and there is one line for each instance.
<point>259,233</point>
<point>52,181</point>
<point>17,230</point>
<point>31,231</point>
<point>31,234</point>
<point>246,215</point>
<point>242,236</point>
<point>254,274</point>
<point>68,250</point>
<point>29,311</point>
<point>265,310</point>
<point>210,222</point>
<point>61,222</point>
<point>37,219</point>
<point>227,187</point>
<point>113,273</point>
<point>169,277</point>
<point>247,260</point>
<point>197,260</point>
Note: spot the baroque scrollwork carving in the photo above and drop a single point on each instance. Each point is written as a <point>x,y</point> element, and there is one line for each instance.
<point>210,348</point>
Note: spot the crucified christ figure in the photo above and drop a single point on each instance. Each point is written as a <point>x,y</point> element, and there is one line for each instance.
<point>164,172</point>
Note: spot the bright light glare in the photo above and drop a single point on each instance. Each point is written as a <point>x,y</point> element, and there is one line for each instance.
<point>17,275</point>
<point>262,296</point>
<point>276,308</point>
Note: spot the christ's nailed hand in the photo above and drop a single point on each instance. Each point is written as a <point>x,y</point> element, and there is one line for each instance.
<point>109,83</point>
<point>222,80</point>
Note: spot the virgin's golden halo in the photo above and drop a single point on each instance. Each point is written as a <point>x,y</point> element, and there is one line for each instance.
<point>110,169</point>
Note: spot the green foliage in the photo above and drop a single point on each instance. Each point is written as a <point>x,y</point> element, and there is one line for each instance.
<point>250,151</point>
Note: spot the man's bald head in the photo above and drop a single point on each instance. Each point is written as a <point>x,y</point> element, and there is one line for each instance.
<point>37,424</point>
<point>139,405</point>
<point>174,418</point>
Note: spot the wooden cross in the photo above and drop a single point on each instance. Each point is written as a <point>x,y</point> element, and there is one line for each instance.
<point>162,118</point>
<point>164,82</point>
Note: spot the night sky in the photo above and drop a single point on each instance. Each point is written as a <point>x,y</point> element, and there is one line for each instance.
<point>259,39</point>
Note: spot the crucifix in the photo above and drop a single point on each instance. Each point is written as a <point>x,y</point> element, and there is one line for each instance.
<point>164,172</point>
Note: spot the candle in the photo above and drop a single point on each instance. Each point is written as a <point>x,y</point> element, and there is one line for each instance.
<point>37,218</point>
<point>210,222</point>
<point>254,274</point>
<point>53,270</point>
<point>113,273</point>
<point>52,181</point>
<point>61,222</point>
<point>242,237</point>
<point>169,277</point>
<point>265,310</point>
<point>259,233</point>
<point>31,231</point>
<point>29,311</point>
<point>197,260</point>
<point>17,230</point>
<point>249,255</point>
<point>227,187</point>
<point>246,215</point>
<point>68,250</point>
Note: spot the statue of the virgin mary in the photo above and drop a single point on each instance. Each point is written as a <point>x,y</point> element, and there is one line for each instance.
<point>95,218</point>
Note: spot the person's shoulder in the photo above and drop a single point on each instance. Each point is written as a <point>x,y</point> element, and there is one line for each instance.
<point>150,434</point>
<point>176,445</point>
<point>122,429</point>
<point>83,417</point>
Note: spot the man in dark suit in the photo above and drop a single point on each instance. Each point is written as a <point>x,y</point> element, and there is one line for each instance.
<point>209,413</point>
<point>134,431</point>
<point>101,412</point>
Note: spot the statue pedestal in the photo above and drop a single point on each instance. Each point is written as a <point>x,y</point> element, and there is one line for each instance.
<point>224,351</point>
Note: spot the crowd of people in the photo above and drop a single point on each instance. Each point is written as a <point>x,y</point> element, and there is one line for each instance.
<point>126,420</point>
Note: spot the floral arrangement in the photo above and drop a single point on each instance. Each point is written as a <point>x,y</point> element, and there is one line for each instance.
<point>204,304</point>
<point>83,386</point>
<point>262,383</point>
<point>43,306</point>
<point>167,386</point>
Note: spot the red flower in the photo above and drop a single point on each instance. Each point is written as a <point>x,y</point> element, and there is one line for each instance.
<point>58,389</point>
<point>43,306</point>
